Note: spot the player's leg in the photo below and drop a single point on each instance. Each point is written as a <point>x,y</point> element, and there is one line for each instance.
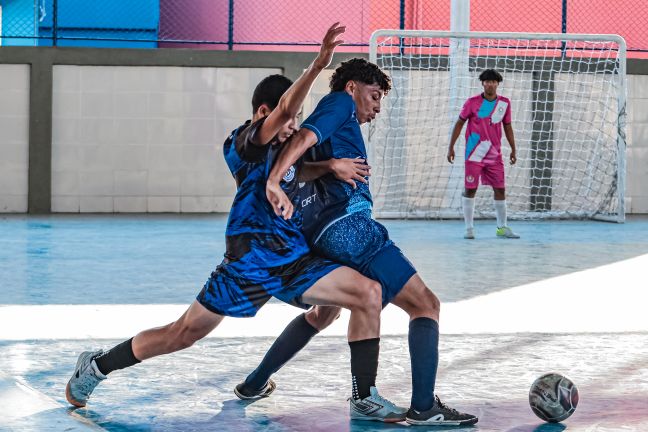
<point>93,367</point>
<point>423,307</point>
<point>295,336</point>
<point>493,175</point>
<point>347,288</point>
<point>471,182</point>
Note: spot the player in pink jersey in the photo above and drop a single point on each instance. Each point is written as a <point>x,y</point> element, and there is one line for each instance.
<point>485,114</point>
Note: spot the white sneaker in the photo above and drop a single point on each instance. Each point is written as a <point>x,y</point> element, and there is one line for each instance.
<point>376,408</point>
<point>85,378</point>
<point>470,234</point>
<point>506,232</point>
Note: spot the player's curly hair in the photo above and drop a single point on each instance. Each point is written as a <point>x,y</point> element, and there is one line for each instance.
<point>490,75</point>
<point>269,91</point>
<point>359,69</point>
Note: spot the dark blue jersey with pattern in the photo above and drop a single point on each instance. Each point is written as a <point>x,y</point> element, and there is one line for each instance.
<point>255,236</point>
<point>338,134</point>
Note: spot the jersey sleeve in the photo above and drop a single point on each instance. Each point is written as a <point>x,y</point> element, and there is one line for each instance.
<point>507,115</point>
<point>465,113</point>
<point>331,113</point>
<point>245,145</point>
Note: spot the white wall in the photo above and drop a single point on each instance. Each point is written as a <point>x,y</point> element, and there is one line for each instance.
<point>14,137</point>
<point>146,139</point>
<point>637,136</point>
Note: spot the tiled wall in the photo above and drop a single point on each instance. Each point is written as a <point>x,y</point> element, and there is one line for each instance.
<point>637,153</point>
<point>14,137</point>
<point>146,139</point>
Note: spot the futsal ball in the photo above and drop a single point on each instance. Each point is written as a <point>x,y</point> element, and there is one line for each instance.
<point>553,397</point>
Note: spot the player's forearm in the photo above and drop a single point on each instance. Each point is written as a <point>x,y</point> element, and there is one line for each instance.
<point>455,133</point>
<point>510,137</point>
<point>294,149</point>
<point>314,170</point>
<point>292,101</point>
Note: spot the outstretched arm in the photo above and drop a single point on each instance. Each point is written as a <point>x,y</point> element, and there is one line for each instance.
<point>291,101</point>
<point>453,138</point>
<point>345,169</point>
<point>294,149</point>
<point>508,131</point>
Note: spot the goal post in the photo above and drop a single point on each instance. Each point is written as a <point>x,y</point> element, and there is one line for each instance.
<point>568,99</point>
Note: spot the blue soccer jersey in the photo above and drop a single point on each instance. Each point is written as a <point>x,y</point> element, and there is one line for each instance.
<point>265,254</point>
<point>254,233</point>
<point>338,134</point>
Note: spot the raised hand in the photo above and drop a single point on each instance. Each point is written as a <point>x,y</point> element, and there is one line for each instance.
<point>279,200</point>
<point>329,43</point>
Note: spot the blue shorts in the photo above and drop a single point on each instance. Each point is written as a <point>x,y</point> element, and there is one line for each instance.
<point>238,289</point>
<point>362,243</point>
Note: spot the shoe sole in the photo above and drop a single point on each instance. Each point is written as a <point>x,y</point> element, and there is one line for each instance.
<point>378,419</point>
<point>441,423</point>
<point>68,395</point>
<point>70,399</point>
<point>265,394</point>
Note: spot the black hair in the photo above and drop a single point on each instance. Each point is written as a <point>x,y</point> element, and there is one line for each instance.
<point>269,91</point>
<point>359,69</point>
<point>490,75</point>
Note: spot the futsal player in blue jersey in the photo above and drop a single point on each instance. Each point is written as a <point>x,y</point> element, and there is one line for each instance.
<point>266,256</point>
<point>338,225</point>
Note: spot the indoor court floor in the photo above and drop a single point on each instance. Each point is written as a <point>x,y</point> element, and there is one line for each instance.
<point>569,297</point>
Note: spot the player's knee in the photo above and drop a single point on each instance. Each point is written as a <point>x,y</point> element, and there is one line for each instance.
<point>428,305</point>
<point>470,193</point>
<point>183,336</point>
<point>371,298</point>
<point>322,316</point>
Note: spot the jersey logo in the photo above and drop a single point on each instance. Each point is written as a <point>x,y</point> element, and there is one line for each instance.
<point>470,178</point>
<point>290,174</point>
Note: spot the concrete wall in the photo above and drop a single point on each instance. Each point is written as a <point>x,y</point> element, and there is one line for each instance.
<point>111,131</point>
<point>637,152</point>
<point>145,139</point>
<point>14,137</point>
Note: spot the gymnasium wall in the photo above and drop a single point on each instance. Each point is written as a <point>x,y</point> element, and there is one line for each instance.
<point>147,136</point>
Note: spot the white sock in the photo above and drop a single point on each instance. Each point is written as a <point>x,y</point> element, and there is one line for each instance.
<point>500,212</point>
<point>468,210</point>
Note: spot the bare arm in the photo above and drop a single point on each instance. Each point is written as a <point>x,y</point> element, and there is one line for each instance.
<point>345,169</point>
<point>508,131</point>
<point>293,150</point>
<point>291,101</point>
<point>453,138</point>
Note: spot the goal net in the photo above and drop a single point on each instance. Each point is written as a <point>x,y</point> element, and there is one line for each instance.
<point>567,97</point>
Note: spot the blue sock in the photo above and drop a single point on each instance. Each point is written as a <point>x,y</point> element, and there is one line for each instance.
<point>424,355</point>
<point>294,337</point>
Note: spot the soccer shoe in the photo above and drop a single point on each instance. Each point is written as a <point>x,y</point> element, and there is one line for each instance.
<point>470,234</point>
<point>246,394</point>
<point>375,408</point>
<point>84,380</point>
<point>439,415</point>
<point>506,232</point>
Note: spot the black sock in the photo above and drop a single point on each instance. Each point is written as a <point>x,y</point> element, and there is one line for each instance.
<point>119,357</point>
<point>364,366</point>
<point>294,337</point>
